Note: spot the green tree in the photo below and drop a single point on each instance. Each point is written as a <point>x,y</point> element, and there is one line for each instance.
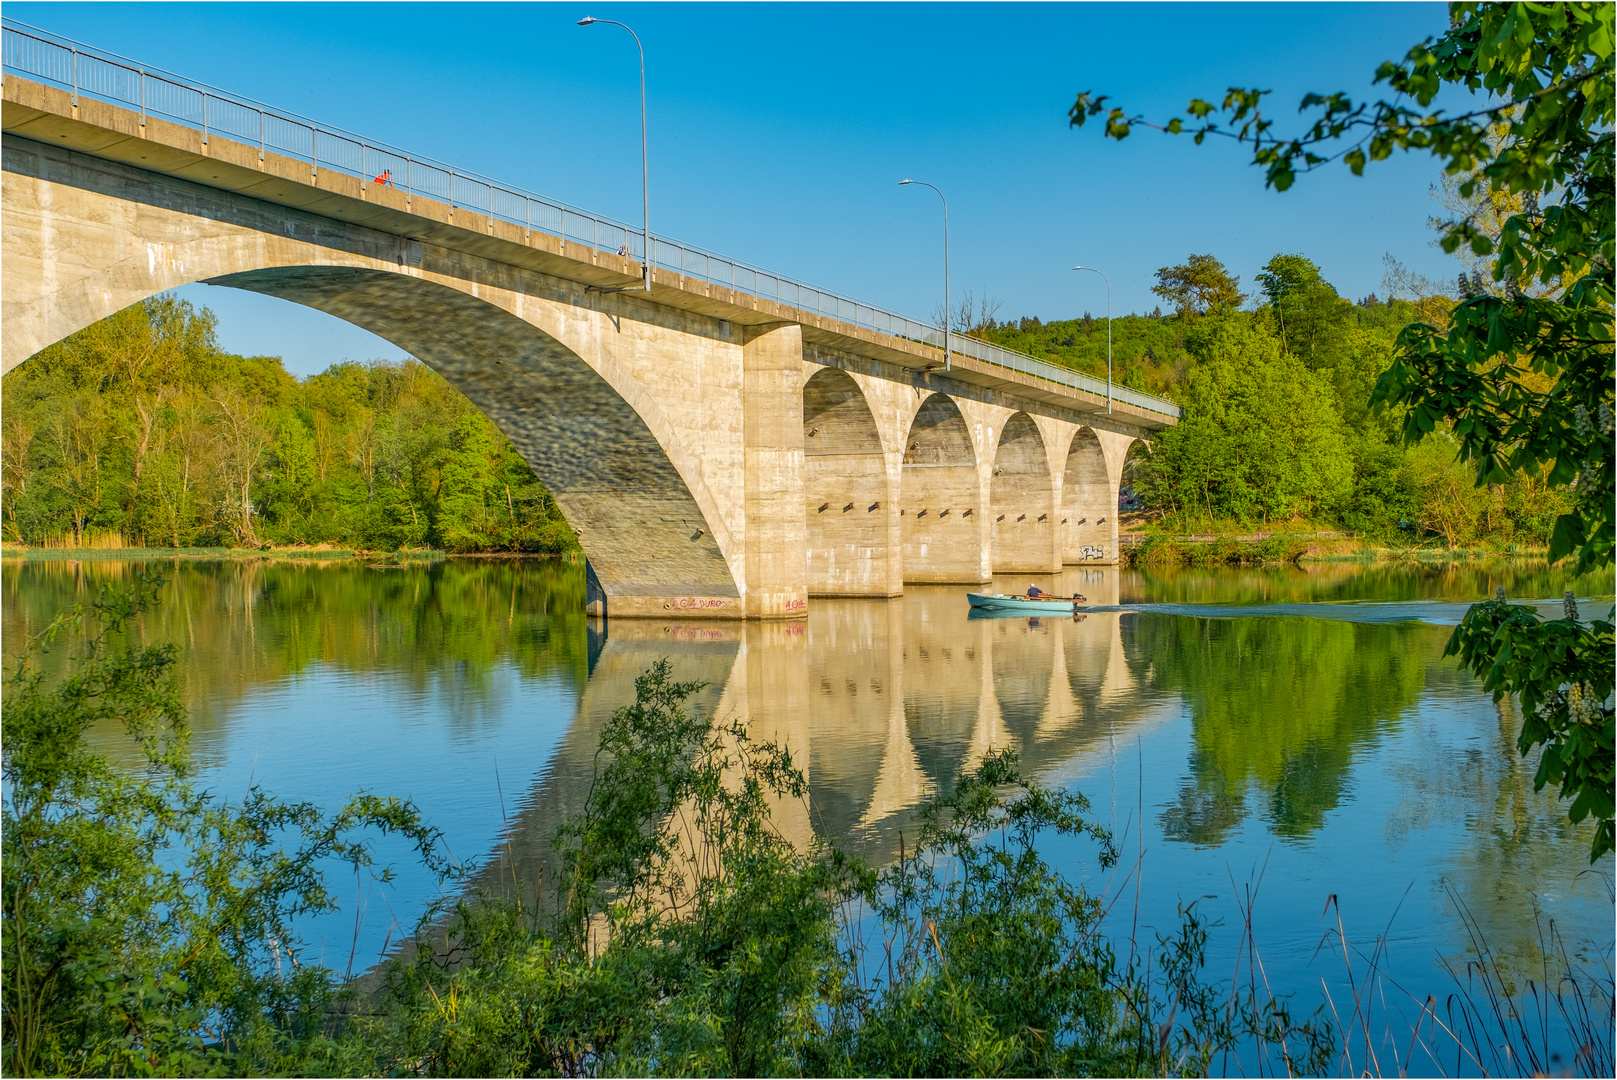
<point>287,485</point>
<point>1523,377</point>
<point>469,477</point>
<point>1198,286</point>
<point>1308,313</point>
<point>1451,505</point>
<point>1260,438</point>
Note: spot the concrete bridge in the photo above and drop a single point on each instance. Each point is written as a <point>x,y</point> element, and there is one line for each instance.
<point>727,445</point>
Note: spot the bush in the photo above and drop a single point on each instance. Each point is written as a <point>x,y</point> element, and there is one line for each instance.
<point>148,926</point>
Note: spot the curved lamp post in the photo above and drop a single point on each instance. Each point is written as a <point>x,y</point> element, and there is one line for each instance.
<point>1103,277</point>
<point>947,315</point>
<point>645,170</point>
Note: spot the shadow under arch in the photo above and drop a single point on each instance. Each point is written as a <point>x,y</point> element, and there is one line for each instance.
<point>613,476</point>
<point>845,489</point>
<point>940,502</point>
<point>1086,502</point>
<point>1021,501</point>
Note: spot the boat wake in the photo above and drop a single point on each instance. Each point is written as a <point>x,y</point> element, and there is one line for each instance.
<point>1437,612</point>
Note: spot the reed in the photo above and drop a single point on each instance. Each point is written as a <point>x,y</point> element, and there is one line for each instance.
<point>1492,1022</point>
<point>90,540</point>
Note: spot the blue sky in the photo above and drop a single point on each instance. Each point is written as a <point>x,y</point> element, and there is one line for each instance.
<point>779,133</point>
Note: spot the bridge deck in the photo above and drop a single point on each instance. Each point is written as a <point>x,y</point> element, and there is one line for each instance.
<point>75,119</point>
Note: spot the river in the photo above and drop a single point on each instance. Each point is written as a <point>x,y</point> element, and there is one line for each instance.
<point>1293,733</point>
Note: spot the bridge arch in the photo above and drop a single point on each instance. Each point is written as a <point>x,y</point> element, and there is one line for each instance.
<point>1086,504</point>
<point>846,490</point>
<point>1022,499</point>
<point>940,502</point>
<point>593,436</point>
<point>629,465</point>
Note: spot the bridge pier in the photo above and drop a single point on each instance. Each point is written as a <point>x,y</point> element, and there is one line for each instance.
<point>1022,503</point>
<point>941,505</point>
<point>1088,505</point>
<point>772,433</point>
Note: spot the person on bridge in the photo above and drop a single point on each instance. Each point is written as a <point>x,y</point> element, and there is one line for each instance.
<point>386,179</point>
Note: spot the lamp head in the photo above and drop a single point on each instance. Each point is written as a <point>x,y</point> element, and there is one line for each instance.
<point>1080,268</point>
<point>586,20</point>
<point>901,183</point>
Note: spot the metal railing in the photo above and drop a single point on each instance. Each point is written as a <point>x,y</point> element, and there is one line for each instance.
<point>94,73</point>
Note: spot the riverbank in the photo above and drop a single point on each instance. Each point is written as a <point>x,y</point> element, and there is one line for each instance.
<point>317,554</point>
<point>1259,548</point>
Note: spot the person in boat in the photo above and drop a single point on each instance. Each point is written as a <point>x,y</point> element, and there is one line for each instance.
<point>1036,593</point>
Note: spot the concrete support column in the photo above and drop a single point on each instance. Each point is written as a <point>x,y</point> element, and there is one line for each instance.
<point>772,437</point>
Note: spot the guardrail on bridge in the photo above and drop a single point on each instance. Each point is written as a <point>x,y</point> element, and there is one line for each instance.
<point>83,70</point>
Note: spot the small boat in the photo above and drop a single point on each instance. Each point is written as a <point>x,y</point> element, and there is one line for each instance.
<point>1051,605</point>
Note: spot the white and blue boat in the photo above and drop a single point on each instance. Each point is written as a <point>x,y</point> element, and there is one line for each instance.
<point>1032,605</point>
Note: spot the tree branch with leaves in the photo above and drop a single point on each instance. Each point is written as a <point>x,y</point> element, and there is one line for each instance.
<point>1523,374</point>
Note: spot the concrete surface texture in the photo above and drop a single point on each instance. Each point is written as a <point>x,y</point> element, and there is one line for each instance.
<point>719,455</point>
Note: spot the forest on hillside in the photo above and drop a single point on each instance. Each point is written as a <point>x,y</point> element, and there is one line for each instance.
<point>140,431</point>
<point>1277,425</point>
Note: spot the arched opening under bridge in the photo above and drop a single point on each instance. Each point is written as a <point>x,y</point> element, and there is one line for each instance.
<point>848,504</point>
<point>941,503</point>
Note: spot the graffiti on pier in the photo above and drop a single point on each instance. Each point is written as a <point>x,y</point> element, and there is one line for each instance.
<point>695,603</point>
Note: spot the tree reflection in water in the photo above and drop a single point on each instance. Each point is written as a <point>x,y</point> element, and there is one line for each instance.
<point>1281,705</point>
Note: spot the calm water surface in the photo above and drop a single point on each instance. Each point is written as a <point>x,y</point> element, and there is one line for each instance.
<point>1296,731</point>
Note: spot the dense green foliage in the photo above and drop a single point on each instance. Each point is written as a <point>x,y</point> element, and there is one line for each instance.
<point>141,430</point>
<point>1261,438</point>
<point>1523,374</point>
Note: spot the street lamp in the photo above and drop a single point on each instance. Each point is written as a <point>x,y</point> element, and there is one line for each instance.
<point>946,316</point>
<point>1103,277</point>
<point>645,170</point>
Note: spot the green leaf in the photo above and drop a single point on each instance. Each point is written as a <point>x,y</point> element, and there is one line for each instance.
<point>1568,535</point>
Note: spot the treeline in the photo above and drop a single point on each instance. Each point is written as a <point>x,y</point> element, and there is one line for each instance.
<point>140,431</point>
<point>1277,425</point>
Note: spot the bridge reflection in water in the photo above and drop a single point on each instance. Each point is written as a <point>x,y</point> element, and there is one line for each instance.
<point>884,702</point>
